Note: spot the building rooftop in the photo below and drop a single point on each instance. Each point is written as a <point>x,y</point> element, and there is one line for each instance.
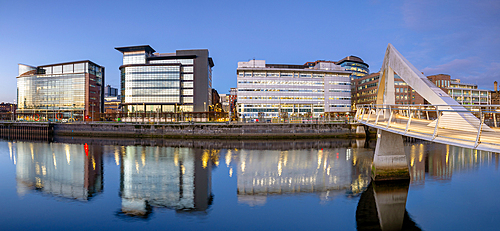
<point>287,66</point>
<point>321,66</point>
<point>352,58</point>
<point>81,61</point>
<point>146,48</point>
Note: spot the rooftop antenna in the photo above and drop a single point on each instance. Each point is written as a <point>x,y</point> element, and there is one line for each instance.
<point>253,62</point>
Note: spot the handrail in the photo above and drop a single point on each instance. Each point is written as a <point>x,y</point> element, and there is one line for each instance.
<point>411,120</point>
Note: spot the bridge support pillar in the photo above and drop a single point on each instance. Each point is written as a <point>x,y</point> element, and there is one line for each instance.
<point>389,161</point>
<point>360,130</point>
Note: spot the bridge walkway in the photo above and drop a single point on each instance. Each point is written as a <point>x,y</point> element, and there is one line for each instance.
<point>418,128</point>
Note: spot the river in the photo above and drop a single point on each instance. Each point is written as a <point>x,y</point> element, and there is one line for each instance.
<point>241,185</point>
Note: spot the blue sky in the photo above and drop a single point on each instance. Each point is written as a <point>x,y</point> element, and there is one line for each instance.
<point>460,37</point>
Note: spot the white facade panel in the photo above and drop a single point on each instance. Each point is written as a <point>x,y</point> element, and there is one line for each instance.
<point>265,92</point>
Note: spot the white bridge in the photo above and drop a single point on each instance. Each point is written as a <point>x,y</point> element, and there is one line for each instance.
<point>444,120</point>
<point>425,122</point>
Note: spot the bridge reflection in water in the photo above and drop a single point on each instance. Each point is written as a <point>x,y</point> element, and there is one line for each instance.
<point>346,172</point>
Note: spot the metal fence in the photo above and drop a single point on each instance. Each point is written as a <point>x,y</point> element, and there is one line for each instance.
<point>164,117</point>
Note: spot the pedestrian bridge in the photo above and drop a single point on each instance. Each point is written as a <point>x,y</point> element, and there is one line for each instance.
<point>444,120</point>
<point>426,122</point>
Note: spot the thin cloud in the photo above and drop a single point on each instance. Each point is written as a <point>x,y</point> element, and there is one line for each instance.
<point>454,65</point>
<point>470,70</point>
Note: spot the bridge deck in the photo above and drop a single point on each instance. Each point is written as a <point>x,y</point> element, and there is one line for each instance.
<point>488,141</point>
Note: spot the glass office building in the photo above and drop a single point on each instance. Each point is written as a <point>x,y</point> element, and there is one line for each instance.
<point>356,65</point>
<point>60,92</point>
<point>169,82</point>
<point>281,90</point>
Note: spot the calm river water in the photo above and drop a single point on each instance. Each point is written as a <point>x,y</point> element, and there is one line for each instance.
<point>241,185</point>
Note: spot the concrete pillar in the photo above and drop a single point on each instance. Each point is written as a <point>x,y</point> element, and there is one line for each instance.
<point>360,130</point>
<point>391,204</point>
<point>389,161</point>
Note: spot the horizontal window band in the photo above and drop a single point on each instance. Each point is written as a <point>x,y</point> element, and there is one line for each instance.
<point>150,96</point>
<point>151,72</point>
<point>153,80</point>
<point>141,88</point>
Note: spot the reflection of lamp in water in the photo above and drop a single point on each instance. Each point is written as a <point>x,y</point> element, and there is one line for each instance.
<point>228,158</point>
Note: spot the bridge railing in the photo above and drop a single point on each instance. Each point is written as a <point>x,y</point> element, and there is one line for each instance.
<point>423,121</point>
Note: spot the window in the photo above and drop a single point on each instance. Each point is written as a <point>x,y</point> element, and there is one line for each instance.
<point>187,76</point>
<point>187,69</point>
<point>57,69</point>
<point>68,68</point>
<point>187,99</point>
<point>134,58</point>
<point>187,91</point>
<point>79,67</point>
<point>187,84</point>
<point>181,61</point>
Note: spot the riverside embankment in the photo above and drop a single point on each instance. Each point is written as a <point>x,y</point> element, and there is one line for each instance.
<point>197,130</point>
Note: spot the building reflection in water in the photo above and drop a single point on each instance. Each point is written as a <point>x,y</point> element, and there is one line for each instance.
<point>174,178</point>
<point>327,172</point>
<point>439,161</point>
<point>66,170</point>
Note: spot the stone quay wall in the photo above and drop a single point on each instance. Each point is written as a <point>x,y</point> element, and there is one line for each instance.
<point>208,131</point>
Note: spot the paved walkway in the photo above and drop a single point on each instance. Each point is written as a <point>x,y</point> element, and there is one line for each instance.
<point>488,141</point>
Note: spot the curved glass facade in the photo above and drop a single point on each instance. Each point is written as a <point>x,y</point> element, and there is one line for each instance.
<point>358,69</point>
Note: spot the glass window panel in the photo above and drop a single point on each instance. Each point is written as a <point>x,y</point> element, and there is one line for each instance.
<point>152,84</point>
<point>186,108</point>
<point>187,99</point>
<point>187,76</point>
<point>57,69</point>
<point>79,67</point>
<point>181,61</point>
<point>134,58</point>
<point>187,84</point>
<point>168,108</point>
<point>187,69</point>
<point>68,68</point>
<point>48,70</point>
<point>187,91</point>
